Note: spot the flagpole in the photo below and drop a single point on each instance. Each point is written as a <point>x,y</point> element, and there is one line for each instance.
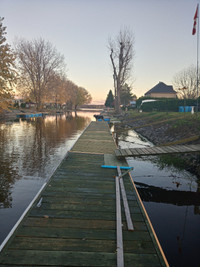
<point>197,58</point>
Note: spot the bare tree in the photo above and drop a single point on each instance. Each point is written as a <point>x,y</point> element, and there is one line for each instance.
<point>121,55</point>
<point>38,62</point>
<point>185,82</point>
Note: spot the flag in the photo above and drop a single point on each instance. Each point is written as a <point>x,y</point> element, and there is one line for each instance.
<point>195,21</point>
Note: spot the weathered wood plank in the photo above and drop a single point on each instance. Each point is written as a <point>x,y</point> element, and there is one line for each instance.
<point>195,147</point>
<point>186,148</point>
<point>83,183</point>
<point>138,150</point>
<point>149,151</point>
<point>79,214</point>
<point>84,195</point>
<point>85,200</point>
<point>68,258</point>
<point>125,202</point>
<point>41,243</point>
<point>128,152</point>
<point>168,150</point>
<point>119,236</point>
<point>123,152</point>
<point>158,150</point>
<point>144,151</point>
<point>78,223</point>
<point>81,207</point>
<point>73,223</point>
<point>86,190</point>
<point>118,153</point>
<point>58,258</point>
<point>80,200</point>
<point>134,151</point>
<point>100,234</point>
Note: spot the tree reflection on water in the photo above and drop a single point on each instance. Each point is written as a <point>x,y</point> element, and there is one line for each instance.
<point>34,147</point>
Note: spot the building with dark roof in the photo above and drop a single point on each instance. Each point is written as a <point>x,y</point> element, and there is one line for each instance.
<point>162,90</point>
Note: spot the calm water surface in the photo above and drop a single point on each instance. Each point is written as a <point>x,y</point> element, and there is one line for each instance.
<point>30,152</point>
<point>172,200</point>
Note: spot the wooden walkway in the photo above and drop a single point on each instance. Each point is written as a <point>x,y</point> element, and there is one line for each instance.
<point>73,220</point>
<point>156,150</point>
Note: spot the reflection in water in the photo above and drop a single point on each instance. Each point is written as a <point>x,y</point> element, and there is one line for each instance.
<point>172,199</point>
<point>30,152</point>
<point>150,193</point>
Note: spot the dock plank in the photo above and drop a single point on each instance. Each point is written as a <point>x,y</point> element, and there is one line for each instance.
<point>70,258</point>
<point>39,243</point>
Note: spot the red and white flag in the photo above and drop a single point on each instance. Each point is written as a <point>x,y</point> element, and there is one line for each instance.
<point>195,20</point>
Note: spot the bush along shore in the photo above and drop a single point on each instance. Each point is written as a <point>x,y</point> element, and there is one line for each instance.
<point>163,128</point>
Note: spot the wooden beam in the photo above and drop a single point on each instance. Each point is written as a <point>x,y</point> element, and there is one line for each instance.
<point>125,201</point>
<point>120,252</point>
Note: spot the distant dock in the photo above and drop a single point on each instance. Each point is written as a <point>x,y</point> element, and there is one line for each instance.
<point>73,221</point>
<point>29,115</point>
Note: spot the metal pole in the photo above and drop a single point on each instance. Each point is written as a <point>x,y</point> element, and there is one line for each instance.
<point>198,58</point>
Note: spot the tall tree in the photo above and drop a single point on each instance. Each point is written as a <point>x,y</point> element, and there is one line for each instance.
<point>109,100</point>
<point>82,97</point>
<point>70,94</point>
<point>7,71</point>
<point>121,55</point>
<point>55,92</point>
<point>38,62</point>
<point>185,82</point>
<point>126,94</point>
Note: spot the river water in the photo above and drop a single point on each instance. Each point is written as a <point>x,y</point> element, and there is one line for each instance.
<point>32,149</point>
<point>30,152</point>
<point>171,197</point>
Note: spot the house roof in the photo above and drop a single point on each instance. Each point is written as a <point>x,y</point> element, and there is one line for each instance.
<point>161,88</point>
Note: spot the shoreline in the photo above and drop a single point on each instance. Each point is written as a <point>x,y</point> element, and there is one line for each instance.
<point>163,130</point>
<point>11,115</point>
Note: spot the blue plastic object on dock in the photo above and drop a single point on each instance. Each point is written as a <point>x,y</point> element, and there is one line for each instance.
<point>115,167</point>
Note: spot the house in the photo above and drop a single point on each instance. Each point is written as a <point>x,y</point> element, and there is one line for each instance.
<point>162,90</point>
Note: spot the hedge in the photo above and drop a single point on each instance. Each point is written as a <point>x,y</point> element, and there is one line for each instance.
<point>165,104</point>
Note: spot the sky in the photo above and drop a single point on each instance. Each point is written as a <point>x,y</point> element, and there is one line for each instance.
<point>80,30</point>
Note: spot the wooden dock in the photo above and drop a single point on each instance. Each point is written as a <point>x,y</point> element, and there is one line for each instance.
<point>73,220</point>
<point>157,150</point>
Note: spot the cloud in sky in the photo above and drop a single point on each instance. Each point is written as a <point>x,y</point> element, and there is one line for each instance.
<point>80,30</point>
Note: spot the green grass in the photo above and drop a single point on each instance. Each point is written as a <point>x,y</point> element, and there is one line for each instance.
<point>177,121</point>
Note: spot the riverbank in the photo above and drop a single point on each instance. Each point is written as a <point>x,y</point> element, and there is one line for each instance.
<point>162,128</point>
<point>11,114</point>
